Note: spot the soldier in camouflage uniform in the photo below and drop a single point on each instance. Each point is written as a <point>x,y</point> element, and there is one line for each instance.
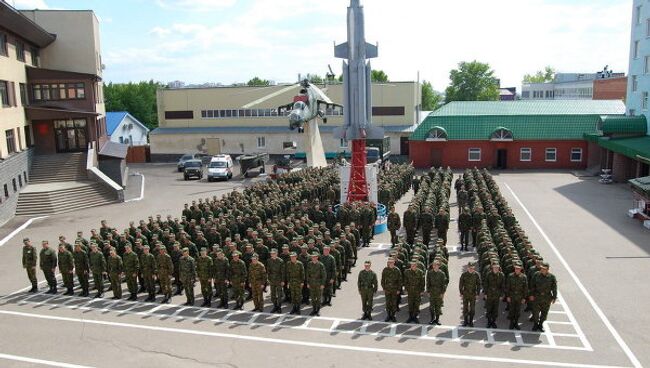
<point>394,224</point>
<point>116,271</point>
<point>329,262</point>
<point>148,268</point>
<point>48,263</point>
<point>414,285</point>
<point>238,277</point>
<point>221,273</point>
<point>316,277</point>
<point>30,259</point>
<point>258,279</point>
<point>410,224</point>
<point>367,285</point>
<point>131,269</point>
<point>442,225</point>
<point>98,268</point>
<point>187,273</point>
<point>493,286</point>
<point>295,273</point>
<point>464,226</point>
<point>516,293</point>
<point>276,274</point>
<point>204,270</point>
<point>165,268</point>
<point>66,266</point>
<point>470,288</point>
<point>391,283</point>
<point>437,283</point>
<point>543,293</point>
<point>82,268</point>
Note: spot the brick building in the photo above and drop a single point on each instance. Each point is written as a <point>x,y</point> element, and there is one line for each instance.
<point>510,135</point>
<point>610,89</point>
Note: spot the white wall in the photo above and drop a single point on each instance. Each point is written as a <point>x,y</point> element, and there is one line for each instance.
<point>137,135</point>
<point>639,33</point>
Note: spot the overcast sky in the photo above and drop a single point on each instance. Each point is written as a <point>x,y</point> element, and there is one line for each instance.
<point>231,41</point>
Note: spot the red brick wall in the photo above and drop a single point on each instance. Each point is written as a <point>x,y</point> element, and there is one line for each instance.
<point>610,89</point>
<point>455,154</point>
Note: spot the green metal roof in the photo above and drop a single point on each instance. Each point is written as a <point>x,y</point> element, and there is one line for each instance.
<point>623,125</point>
<point>550,107</point>
<point>641,184</point>
<point>534,127</point>
<point>527,120</point>
<point>635,148</point>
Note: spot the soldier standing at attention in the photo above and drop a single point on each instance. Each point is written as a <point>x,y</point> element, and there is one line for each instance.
<point>464,226</point>
<point>148,267</point>
<point>367,285</point>
<point>48,263</point>
<point>316,279</point>
<point>221,273</point>
<point>427,220</point>
<point>116,271</point>
<point>29,263</point>
<point>187,271</point>
<point>238,276</point>
<point>543,293</point>
<point>276,272</point>
<point>258,279</point>
<point>477,219</point>
<point>394,224</point>
<point>410,224</point>
<point>414,284</point>
<point>295,273</point>
<point>176,255</point>
<point>493,286</point>
<point>82,268</point>
<point>131,268</point>
<point>205,269</point>
<point>437,283</point>
<point>391,283</point>
<point>516,293</point>
<point>66,266</point>
<point>442,224</point>
<point>329,262</point>
<point>470,288</point>
<point>165,268</point>
<point>98,268</point>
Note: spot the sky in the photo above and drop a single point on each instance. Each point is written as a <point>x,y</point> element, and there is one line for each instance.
<point>231,41</point>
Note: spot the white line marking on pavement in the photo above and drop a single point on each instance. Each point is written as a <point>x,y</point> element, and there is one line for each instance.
<point>141,190</point>
<point>574,322</point>
<point>633,359</point>
<point>40,361</point>
<point>305,343</point>
<point>19,229</point>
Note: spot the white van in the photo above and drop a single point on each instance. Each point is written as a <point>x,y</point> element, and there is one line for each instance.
<point>220,167</point>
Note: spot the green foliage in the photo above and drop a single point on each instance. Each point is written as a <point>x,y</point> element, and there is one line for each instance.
<point>139,99</point>
<point>472,81</point>
<point>431,100</point>
<point>378,76</point>
<point>315,79</point>
<point>256,82</point>
<point>542,76</point>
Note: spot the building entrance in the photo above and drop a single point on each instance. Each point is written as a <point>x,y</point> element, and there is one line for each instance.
<point>70,135</point>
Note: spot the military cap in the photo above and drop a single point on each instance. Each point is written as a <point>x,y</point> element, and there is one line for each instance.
<point>293,254</point>
<point>254,256</point>
<point>326,247</point>
<point>185,250</point>
<point>219,251</point>
<point>274,251</point>
<point>146,247</point>
<point>518,265</point>
<point>285,246</point>
<point>125,246</point>
<point>236,253</point>
<point>471,264</point>
<point>25,240</point>
<point>138,240</point>
<point>228,239</point>
<point>216,246</point>
<point>367,263</point>
<point>304,246</point>
<point>391,259</point>
<point>436,262</point>
<point>315,254</point>
<point>92,244</point>
<point>413,262</point>
<point>545,265</point>
<point>311,241</point>
<point>204,250</point>
<point>177,244</point>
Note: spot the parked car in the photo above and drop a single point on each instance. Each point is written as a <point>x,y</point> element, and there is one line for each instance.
<point>193,168</point>
<point>204,157</point>
<point>220,167</point>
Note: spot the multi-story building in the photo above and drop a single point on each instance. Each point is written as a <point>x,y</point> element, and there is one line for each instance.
<point>50,91</point>
<point>576,86</point>
<point>245,119</point>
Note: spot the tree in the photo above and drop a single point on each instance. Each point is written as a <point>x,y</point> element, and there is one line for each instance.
<point>472,81</point>
<point>315,79</point>
<point>378,76</point>
<point>431,99</point>
<point>542,76</point>
<point>139,99</point>
<point>257,82</point>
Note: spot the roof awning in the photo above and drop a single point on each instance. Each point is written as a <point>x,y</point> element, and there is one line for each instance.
<point>49,113</point>
<point>635,125</point>
<point>112,149</point>
<point>11,19</point>
<point>636,148</point>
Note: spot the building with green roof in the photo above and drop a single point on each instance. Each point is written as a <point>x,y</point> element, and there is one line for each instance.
<point>550,134</point>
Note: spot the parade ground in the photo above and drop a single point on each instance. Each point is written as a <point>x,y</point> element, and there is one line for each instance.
<point>599,256</point>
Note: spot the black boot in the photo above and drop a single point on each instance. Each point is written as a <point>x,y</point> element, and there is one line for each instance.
<point>516,322</point>
<point>34,288</point>
<point>512,325</point>
<point>209,302</point>
<point>437,321</point>
<point>415,319</point>
<point>279,308</point>
<point>471,320</point>
<point>535,327</point>
<point>179,291</point>
<point>165,299</point>
<point>388,318</point>
<point>465,321</point>
<point>205,302</point>
<point>297,310</point>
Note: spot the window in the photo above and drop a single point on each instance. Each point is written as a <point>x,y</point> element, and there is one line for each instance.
<point>637,15</point>
<point>3,45</point>
<point>20,181</point>
<point>632,112</point>
<point>20,51</point>
<point>474,154</point>
<point>525,94</point>
<point>635,50</point>
<point>6,191</point>
<point>501,134</point>
<point>644,100</point>
<point>343,143</point>
<point>551,155</point>
<point>647,27</point>
<point>4,93</point>
<point>121,139</point>
<point>576,154</point>
<point>11,141</point>
<point>635,83</point>
<point>23,94</point>
<point>13,181</point>
<point>646,65</point>
<point>261,142</point>
<point>525,154</point>
<point>81,91</point>
<point>437,134</point>
<point>20,140</point>
<point>34,52</point>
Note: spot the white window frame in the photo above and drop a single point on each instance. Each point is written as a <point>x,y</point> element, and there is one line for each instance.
<point>502,135</point>
<point>576,150</point>
<point>471,151</point>
<point>644,101</point>
<point>529,152</point>
<point>436,135</point>
<point>550,150</point>
<point>261,140</point>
